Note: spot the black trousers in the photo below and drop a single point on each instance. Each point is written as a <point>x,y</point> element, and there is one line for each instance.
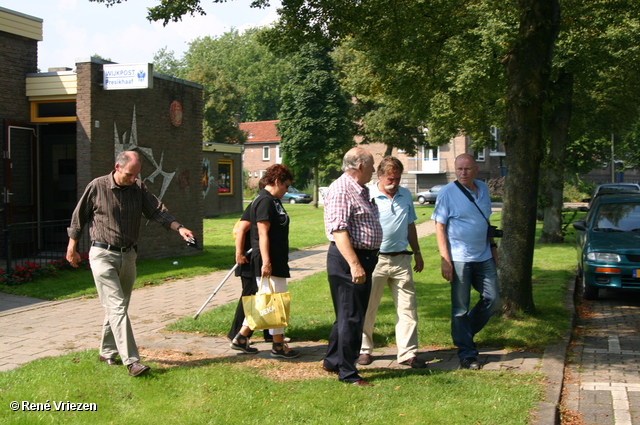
<point>249,287</point>
<point>350,302</point>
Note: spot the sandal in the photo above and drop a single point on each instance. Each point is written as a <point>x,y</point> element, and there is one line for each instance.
<point>241,343</point>
<point>280,350</point>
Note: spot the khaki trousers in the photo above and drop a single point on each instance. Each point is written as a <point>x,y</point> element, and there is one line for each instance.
<point>397,273</point>
<point>114,275</point>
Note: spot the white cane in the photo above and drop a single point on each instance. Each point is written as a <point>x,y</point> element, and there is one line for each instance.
<point>218,288</point>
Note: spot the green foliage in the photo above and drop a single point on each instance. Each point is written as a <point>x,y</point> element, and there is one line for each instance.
<point>314,119</point>
<point>165,62</point>
<point>257,74</point>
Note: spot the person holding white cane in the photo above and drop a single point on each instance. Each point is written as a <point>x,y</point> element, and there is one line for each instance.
<point>270,252</point>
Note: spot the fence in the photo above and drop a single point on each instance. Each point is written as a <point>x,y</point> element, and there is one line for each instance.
<point>38,242</point>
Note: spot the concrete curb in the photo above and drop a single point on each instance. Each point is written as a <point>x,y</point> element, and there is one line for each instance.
<point>553,366</point>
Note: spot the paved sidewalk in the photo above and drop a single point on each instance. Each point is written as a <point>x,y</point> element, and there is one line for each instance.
<point>32,329</point>
<point>602,383</point>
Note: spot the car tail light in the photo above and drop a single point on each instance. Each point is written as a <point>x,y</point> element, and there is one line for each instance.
<point>607,270</point>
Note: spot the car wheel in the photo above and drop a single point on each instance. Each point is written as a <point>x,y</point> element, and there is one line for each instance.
<point>421,199</point>
<point>292,200</point>
<point>588,292</point>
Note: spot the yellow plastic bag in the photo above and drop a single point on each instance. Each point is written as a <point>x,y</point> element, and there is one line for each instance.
<point>268,310</point>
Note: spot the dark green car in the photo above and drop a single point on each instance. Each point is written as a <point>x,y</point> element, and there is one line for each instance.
<point>608,243</point>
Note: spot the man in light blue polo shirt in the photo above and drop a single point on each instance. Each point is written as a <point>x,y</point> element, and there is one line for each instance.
<point>469,256</point>
<point>397,217</point>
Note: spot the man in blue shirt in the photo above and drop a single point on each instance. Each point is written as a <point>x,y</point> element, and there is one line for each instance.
<point>469,256</point>
<point>397,217</point>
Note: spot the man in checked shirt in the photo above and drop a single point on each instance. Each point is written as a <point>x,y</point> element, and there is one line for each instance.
<point>352,225</point>
<point>113,206</point>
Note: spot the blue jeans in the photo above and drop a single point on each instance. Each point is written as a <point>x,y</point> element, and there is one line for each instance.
<point>466,324</point>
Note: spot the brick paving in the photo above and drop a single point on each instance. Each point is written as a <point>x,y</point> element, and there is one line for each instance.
<point>31,329</point>
<point>603,370</point>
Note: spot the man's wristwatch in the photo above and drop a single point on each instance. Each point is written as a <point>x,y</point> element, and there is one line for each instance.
<point>417,251</point>
<point>179,227</point>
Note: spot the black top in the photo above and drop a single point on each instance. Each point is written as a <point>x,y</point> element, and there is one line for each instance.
<point>265,207</point>
<point>245,269</point>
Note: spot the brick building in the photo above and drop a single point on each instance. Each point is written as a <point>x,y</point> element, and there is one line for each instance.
<point>428,168</point>
<point>64,127</point>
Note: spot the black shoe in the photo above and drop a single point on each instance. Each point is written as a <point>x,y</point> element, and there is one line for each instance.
<point>241,343</point>
<point>280,351</point>
<point>470,363</point>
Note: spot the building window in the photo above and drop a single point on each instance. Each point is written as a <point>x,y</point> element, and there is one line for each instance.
<point>479,155</point>
<point>53,111</point>
<point>265,153</point>
<point>225,173</point>
<point>495,133</point>
<point>278,155</point>
<point>262,173</point>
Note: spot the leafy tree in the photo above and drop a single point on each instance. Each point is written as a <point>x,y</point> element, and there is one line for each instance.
<point>221,99</point>
<point>380,118</point>
<point>250,66</point>
<point>165,62</point>
<point>594,94</point>
<point>314,120</point>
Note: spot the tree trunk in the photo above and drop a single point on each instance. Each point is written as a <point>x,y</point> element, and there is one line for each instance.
<point>528,66</point>
<point>558,132</point>
<point>316,189</point>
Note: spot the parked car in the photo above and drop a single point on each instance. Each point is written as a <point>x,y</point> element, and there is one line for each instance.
<point>429,195</point>
<point>611,188</point>
<point>608,243</point>
<point>223,188</point>
<point>294,196</point>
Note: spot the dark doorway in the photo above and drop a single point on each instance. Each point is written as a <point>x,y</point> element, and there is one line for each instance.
<point>58,171</point>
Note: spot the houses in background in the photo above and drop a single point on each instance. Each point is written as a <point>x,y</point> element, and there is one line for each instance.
<point>429,167</point>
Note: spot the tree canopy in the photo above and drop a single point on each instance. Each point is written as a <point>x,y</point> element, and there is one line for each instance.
<point>314,120</point>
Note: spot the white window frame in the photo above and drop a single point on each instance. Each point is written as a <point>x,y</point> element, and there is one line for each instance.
<point>266,153</point>
<point>495,132</point>
<point>480,155</point>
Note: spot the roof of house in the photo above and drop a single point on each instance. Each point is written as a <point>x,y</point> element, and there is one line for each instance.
<point>261,131</point>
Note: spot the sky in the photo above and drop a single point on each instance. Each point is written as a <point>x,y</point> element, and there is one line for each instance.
<point>78,29</point>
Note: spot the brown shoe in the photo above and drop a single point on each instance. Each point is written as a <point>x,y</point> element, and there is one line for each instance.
<point>415,363</point>
<point>110,362</point>
<point>365,359</point>
<point>362,383</point>
<point>137,368</point>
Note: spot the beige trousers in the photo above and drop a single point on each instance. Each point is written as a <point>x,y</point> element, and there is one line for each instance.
<point>114,275</point>
<point>397,273</point>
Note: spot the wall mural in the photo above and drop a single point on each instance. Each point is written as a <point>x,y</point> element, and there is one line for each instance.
<point>132,144</point>
<point>207,177</point>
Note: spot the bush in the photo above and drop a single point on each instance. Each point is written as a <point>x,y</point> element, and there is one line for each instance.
<point>29,272</point>
<point>496,188</point>
<point>577,192</point>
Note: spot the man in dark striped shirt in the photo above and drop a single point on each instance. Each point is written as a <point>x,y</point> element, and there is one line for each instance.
<point>113,206</point>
